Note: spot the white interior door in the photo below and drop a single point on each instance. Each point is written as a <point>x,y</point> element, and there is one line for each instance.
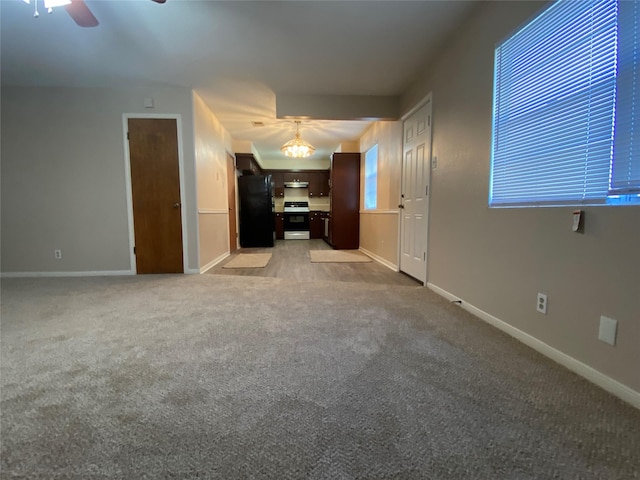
<point>414,204</point>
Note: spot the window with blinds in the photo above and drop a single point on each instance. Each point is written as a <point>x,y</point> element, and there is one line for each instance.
<point>566,121</point>
<point>371,178</point>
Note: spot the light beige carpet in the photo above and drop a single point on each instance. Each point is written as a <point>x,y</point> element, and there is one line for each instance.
<point>249,260</point>
<point>338,256</point>
<point>244,377</point>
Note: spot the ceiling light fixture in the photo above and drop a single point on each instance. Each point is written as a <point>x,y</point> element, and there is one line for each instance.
<point>297,148</point>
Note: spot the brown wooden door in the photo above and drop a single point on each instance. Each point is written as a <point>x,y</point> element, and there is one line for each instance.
<point>231,192</point>
<point>155,188</point>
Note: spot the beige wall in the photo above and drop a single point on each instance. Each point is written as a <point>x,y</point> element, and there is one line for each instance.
<point>498,259</point>
<point>212,142</point>
<point>63,176</point>
<point>379,228</point>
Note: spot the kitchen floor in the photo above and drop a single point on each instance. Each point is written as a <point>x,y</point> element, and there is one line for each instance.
<point>290,260</point>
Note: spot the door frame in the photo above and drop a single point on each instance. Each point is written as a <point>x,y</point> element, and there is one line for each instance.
<point>235,206</point>
<point>428,98</point>
<point>129,195</point>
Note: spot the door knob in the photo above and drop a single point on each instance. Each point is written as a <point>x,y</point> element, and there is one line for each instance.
<point>176,205</point>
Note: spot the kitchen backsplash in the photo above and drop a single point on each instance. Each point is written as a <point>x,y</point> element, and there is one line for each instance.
<point>320,204</point>
<point>301,195</point>
<point>296,194</point>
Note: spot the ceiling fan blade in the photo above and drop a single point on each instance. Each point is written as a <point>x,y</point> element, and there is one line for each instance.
<point>159,1</point>
<point>81,14</point>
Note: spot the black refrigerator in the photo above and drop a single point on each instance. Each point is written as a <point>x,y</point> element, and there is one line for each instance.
<point>256,211</point>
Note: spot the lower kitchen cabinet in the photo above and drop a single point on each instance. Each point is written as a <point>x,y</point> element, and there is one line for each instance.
<point>279,226</point>
<point>316,224</point>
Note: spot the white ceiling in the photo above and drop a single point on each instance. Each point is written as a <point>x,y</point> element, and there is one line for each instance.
<point>238,55</point>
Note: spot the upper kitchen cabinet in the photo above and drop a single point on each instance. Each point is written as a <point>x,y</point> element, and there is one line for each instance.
<point>296,177</point>
<point>278,182</point>
<point>247,163</point>
<point>344,215</point>
<point>319,183</point>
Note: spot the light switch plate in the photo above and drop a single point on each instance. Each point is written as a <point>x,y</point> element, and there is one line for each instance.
<point>608,330</point>
<point>578,222</point>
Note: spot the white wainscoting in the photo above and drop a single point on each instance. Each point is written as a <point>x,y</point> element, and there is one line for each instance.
<point>213,228</point>
<point>213,211</point>
<point>380,260</point>
<point>379,212</point>
<point>379,236</point>
<point>214,262</point>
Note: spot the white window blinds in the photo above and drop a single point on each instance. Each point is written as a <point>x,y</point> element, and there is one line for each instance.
<point>555,102</point>
<point>625,171</point>
<point>371,178</point>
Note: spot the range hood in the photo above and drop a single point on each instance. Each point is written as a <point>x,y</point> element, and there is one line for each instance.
<point>296,184</point>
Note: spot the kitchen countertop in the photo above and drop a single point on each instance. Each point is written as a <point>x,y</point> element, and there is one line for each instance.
<point>315,210</point>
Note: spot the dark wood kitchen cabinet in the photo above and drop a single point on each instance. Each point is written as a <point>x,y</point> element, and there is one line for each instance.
<point>278,182</point>
<point>247,163</point>
<point>344,217</point>
<point>319,183</point>
<point>279,226</point>
<point>316,224</point>
<point>296,176</point>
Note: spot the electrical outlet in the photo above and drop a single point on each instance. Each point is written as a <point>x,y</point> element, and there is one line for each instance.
<point>542,303</point>
<point>57,254</point>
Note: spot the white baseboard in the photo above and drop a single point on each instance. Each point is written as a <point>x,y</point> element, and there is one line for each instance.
<point>213,263</point>
<point>98,273</point>
<point>379,259</point>
<point>600,379</point>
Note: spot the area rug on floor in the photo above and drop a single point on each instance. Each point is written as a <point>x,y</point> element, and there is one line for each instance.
<point>338,256</point>
<point>249,260</point>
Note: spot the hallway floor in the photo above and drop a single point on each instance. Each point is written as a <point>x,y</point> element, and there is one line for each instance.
<point>291,261</point>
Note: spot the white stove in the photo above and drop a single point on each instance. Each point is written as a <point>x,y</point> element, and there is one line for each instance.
<point>296,207</point>
<point>296,220</point>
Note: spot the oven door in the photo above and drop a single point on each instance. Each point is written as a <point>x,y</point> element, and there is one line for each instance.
<point>296,221</point>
